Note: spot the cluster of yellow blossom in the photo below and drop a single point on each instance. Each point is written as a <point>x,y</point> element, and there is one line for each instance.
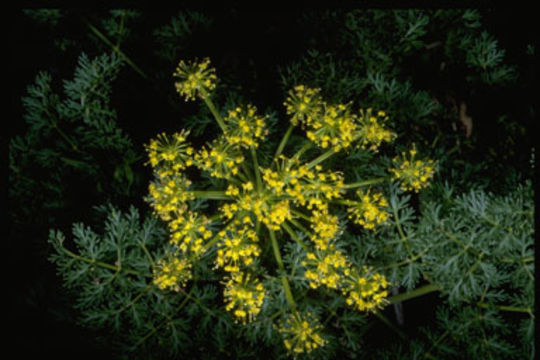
<point>196,78</point>
<point>271,213</point>
<point>413,174</point>
<point>306,187</point>
<point>237,245</point>
<point>370,210</point>
<point>303,103</point>
<point>365,292</point>
<point>324,267</point>
<point>189,231</point>
<point>245,127</point>
<point>171,273</point>
<point>334,126</point>
<point>282,190</point>
<point>371,131</point>
<point>170,153</point>
<point>168,195</point>
<point>244,296</point>
<point>302,333</point>
<point>221,159</point>
<point>325,228</point>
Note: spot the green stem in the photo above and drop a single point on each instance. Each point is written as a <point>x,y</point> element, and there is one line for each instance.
<point>211,194</point>
<point>320,158</point>
<point>295,236</point>
<point>302,150</point>
<point>116,49</point>
<point>401,232</point>
<point>520,260</point>
<point>423,290</point>
<point>365,183</point>
<point>101,264</point>
<point>213,110</point>
<point>65,137</point>
<point>132,302</point>
<point>299,226</point>
<point>283,142</point>
<point>301,214</point>
<point>256,169</point>
<point>505,308</point>
<point>286,286</point>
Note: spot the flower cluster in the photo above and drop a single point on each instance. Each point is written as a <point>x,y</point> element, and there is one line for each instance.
<point>335,126</point>
<point>196,78</point>
<point>371,131</point>
<point>189,231</point>
<point>171,154</point>
<point>257,203</point>
<point>237,245</point>
<point>244,296</point>
<point>171,273</point>
<point>370,210</point>
<point>413,174</point>
<point>260,204</point>
<point>169,194</point>
<point>312,188</point>
<point>304,104</point>
<point>301,333</point>
<point>245,127</point>
<point>367,291</point>
<point>220,159</point>
<point>324,267</point>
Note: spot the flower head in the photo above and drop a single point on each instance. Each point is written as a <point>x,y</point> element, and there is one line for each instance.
<point>244,296</point>
<point>189,231</point>
<point>324,267</point>
<point>244,127</point>
<point>171,273</point>
<point>238,245</point>
<point>336,128</point>
<point>168,195</point>
<point>304,104</point>
<point>170,152</point>
<point>413,174</point>
<point>301,333</point>
<point>371,131</point>
<point>220,159</point>
<point>369,211</point>
<point>365,291</point>
<point>196,79</point>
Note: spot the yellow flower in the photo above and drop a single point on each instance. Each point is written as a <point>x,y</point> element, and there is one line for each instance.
<point>371,131</point>
<point>244,296</point>
<point>336,128</point>
<point>189,231</point>
<point>325,267</point>
<point>238,246</point>
<point>244,127</point>
<point>170,152</point>
<point>414,175</point>
<point>171,273</point>
<point>196,78</point>
<point>301,333</point>
<point>304,104</point>
<point>365,291</point>
<point>220,159</point>
<point>370,210</point>
<point>325,228</point>
<point>168,195</point>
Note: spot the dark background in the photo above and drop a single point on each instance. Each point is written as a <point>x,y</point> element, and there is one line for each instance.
<point>38,313</point>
